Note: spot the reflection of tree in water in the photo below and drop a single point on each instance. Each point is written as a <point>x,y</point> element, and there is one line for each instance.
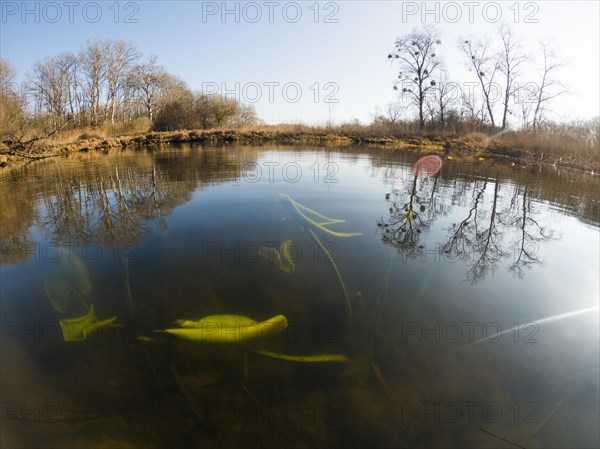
<point>482,247</point>
<point>15,219</point>
<point>477,239</point>
<point>114,208</point>
<point>105,200</point>
<point>530,233</point>
<point>487,243</point>
<point>409,216</point>
<point>462,242</point>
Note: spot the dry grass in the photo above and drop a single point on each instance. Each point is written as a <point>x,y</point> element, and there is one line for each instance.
<point>557,146</point>
<point>574,145</point>
<point>476,139</point>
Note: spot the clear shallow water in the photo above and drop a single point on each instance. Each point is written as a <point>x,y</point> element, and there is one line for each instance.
<point>476,311</point>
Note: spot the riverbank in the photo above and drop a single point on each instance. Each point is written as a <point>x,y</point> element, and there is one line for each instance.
<point>473,145</point>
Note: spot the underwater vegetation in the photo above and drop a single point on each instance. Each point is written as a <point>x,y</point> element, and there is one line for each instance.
<point>228,329</point>
<point>58,292</point>
<point>77,329</point>
<point>304,358</point>
<point>318,221</point>
<point>282,257</point>
<point>242,330</point>
<point>305,214</point>
<point>67,288</point>
<point>239,329</point>
<point>69,283</point>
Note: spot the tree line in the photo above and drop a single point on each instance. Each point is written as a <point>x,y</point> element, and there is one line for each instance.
<point>108,83</point>
<point>496,65</point>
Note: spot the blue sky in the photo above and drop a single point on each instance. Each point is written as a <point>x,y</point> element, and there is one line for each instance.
<point>331,51</point>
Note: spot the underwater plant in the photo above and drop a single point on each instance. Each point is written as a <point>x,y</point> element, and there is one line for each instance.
<point>69,283</point>
<point>228,329</point>
<point>58,293</point>
<point>369,320</point>
<point>337,273</point>
<point>306,213</point>
<point>318,221</point>
<point>282,258</point>
<point>67,289</point>
<point>78,329</point>
<point>239,329</point>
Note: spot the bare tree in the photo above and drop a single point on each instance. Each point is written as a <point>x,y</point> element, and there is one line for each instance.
<point>510,58</point>
<point>444,95</point>
<point>246,115</point>
<point>150,81</point>
<point>416,54</point>
<point>472,110</point>
<point>390,114</point>
<point>11,107</point>
<point>92,60</point>
<point>485,65</point>
<point>393,111</point>
<point>223,109</point>
<point>119,60</point>
<point>52,78</point>
<point>7,76</point>
<point>549,88</point>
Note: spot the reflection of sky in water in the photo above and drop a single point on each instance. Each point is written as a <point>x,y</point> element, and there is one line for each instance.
<point>175,260</point>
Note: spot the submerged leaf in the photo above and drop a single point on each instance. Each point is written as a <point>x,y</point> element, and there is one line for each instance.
<point>228,329</point>
<point>223,320</point>
<point>78,329</point>
<point>58,293</point>
<point>76,275</point>
<point>282,258</point>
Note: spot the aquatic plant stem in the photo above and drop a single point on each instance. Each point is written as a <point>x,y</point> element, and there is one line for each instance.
<point>187,396</point>
<point>381,295</point>
<point>129,299</point>
<point>500,438</point>
<point>349,314</point>
<point>318,358</point>
<point>300,209</point>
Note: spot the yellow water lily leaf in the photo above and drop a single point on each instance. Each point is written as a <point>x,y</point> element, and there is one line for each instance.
<point>78,329</point>
<point>228,329</point>
<point>318,221</point>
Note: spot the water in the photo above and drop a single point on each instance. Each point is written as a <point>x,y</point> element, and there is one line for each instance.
<point>478,310</point>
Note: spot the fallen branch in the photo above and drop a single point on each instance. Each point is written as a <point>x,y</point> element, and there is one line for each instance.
<point>22,149</point>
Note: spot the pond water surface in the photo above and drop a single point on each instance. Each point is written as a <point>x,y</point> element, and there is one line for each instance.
<point>464,305</point>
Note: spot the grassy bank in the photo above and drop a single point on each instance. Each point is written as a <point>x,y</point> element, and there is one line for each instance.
<point>513,146</point>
